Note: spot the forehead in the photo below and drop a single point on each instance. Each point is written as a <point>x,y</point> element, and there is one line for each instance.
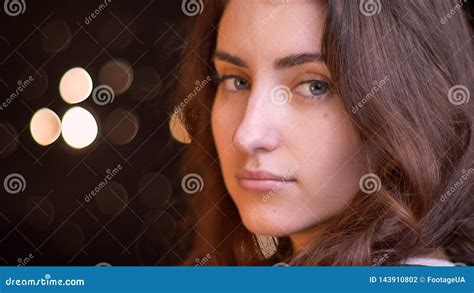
<point>263,28</point>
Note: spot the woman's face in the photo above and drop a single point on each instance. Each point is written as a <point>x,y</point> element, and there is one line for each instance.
<point>288,151</point>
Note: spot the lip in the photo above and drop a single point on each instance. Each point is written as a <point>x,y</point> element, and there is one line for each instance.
<point>261,180</point>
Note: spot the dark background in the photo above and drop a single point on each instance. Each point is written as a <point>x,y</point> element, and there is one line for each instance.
<point>137,219</point>
<point>49,223</point>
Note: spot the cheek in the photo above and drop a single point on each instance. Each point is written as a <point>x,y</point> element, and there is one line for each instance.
<point>333,167</point>
<point>224,122</point>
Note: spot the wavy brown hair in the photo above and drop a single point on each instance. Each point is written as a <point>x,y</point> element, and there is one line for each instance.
<point>416,134</point>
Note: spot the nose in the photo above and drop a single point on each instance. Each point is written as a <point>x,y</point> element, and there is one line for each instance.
<point>259,130</point>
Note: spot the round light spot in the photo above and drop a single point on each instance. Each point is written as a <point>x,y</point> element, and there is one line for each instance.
<point>55,36</point>
<point>75,85</point>
<point>121,126</point>
<point>118,74</point>
<point>146,84</point>
<point>178,131</point>
<point>79,128</point>
<point>45,127</point>
<point>112,199</point>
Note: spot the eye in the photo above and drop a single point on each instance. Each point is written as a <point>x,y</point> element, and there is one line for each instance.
<point>313,88</point>
<point>234,83</point>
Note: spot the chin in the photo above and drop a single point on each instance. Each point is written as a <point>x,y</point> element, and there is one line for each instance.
<point>265,229</point>
<point>266,222</point>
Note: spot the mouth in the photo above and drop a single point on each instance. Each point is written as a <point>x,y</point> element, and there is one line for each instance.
<point>260,180</point>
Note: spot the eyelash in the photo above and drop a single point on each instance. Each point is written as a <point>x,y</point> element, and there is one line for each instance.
<point>224,78</point>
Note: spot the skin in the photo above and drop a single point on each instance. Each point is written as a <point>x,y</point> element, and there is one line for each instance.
<point>309,138</point>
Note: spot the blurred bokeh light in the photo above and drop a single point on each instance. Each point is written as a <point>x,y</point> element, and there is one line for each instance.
<point>118,74</point>
<point>75,85</point>
<point>178,131</point>
<point>121,126</point>
<point>79,127</point>
<point>45,127</point>
<point>56,36</point>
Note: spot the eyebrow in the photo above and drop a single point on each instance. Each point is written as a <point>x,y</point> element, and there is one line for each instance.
<point>282,63</point>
